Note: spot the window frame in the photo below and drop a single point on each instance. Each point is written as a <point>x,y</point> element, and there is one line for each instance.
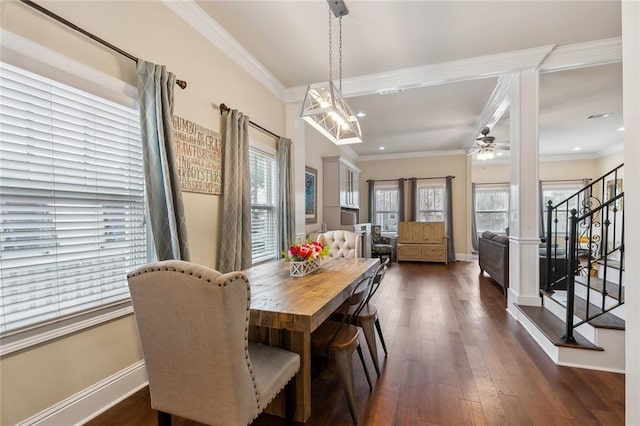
<point>271,153</point>
<point>52,65</point>
<point>389,187</point>
<point>502,187</point>
<point>431,185</point>
<point>568,186</point>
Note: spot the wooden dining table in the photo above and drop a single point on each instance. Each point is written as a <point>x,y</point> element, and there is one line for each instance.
<point>291,308</point>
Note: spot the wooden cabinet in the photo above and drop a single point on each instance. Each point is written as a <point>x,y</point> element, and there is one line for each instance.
<point>340,183</point>
<point>422,241</point>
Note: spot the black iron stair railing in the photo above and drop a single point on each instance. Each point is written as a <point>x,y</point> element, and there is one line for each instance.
<point>584,234</point>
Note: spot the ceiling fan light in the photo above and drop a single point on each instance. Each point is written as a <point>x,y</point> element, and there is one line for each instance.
<point>485,154</point>
<point>325,110</point>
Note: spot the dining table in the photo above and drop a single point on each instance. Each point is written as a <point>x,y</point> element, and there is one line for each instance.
<point>290,308</point>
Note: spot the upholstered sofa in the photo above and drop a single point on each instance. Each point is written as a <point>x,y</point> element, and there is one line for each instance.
<point>493,257</point>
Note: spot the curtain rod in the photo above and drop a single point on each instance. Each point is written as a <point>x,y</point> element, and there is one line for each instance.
<point>437,177</point>
<point>384,180</point>
<point>225,108</point>
<point>181,83</point>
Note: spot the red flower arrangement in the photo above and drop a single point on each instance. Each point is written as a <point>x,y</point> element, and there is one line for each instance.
<point>306,252</point>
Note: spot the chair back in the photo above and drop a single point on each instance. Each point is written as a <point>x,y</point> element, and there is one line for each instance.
<point>377,278</point>
<point>193,324</point>
<point>341,243</point>
<point>376,234</point>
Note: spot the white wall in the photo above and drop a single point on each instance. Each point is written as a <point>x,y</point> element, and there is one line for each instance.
<point>36,379</point>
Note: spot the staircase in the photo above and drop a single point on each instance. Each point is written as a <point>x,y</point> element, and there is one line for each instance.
<point>581,320</point>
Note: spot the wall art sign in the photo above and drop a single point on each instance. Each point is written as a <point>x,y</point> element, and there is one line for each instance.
<point>310,195</point>
<point>199,157</point>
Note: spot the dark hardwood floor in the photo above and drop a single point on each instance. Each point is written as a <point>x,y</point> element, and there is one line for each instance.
<point>455,358</point>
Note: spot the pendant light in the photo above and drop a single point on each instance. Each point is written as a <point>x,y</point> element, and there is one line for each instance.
<point>324,107</point>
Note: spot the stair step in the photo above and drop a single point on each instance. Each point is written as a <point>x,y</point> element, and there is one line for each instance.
<point>605,320</point>
<point>615,264</point>
<point>553,328</point>
<point>613,290</point>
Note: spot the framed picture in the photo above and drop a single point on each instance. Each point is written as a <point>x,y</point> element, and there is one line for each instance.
<point>310,195</point>
<point>614,188</point>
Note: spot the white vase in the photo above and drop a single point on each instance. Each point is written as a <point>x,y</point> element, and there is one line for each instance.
<point>300,269</point>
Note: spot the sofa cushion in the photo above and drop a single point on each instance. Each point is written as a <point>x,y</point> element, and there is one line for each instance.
<point>487,235</point>
<point>501,239</point>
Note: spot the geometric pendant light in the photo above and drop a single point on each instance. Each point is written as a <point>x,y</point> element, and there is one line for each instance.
<point>324,107</point>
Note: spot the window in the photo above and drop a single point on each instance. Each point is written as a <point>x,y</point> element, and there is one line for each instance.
<point>430,202</point>
<point>264,230</point>
<point>557,192</point>
<point>386,206</point>
<point>492,208</point>
<point>72,208</point>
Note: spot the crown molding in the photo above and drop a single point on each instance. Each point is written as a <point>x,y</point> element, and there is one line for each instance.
<point>579,55</point>
<point>202,22</point>
<point>436,74</point>
<point>416,154</point>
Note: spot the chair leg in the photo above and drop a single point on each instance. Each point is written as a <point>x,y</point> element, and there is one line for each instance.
<point>290,401</point>
<point>370,337</point>
<point>344,362</point>
<point>164,419</point>
<point>384,346</point>
<point>364,366</point>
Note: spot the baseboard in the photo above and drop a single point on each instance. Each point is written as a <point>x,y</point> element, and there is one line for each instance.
<point>94,400</point>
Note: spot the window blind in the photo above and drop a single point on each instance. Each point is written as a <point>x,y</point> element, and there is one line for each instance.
<point>386,205</point>
<point>71,199</point>
<point>264,230</point>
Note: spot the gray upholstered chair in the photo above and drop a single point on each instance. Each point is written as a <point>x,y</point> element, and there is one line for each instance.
<point>193,323</point>
<point>382,246</point>
<point>341,243</point>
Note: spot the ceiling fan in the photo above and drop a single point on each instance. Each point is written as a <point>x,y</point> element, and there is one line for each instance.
<point>485,146</point>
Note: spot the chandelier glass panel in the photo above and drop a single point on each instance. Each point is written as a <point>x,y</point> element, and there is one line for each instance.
<point>325,108</point>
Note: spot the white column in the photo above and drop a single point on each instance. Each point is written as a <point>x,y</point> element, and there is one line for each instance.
<point>631,107</point>
<point>524,233</point>
<point>294,127</point>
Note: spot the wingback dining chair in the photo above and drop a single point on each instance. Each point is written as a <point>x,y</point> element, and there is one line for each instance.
<point>341,243</point>
<point>193,323</point>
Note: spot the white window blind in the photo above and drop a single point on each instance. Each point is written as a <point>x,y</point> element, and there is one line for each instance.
<point>71,199</point>
<point>386,205</point>
<point>264,229</point>
<point>430,202</point>
<point>492,207</point>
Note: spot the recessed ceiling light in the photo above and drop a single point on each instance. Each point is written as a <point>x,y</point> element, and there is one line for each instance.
<point>361,114</point>
<point>381,148</point>
<point>621,129</point>
<point>389,90</point>
<point>605,115</point>
<point>577,148</point>
<point>498,154</point>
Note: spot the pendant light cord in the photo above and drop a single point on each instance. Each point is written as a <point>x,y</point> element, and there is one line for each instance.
<point>340,47</point>
<point>330,50</point>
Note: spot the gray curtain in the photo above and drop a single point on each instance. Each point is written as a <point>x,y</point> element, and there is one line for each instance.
<point>401,200</point>
<point>234,253</point>
<point>371,191</point>
<point>474,226</point>
<point>413,202</point>
<point>286,210</point>
<point>164,199</point>
<point>448,221</point>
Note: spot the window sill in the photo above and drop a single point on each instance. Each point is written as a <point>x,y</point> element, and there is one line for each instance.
<point>20,340</point>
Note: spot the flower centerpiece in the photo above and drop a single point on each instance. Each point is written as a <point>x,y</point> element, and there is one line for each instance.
<point>305,258</point>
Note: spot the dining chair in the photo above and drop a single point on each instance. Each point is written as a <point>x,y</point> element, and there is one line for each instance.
<point>339,339</point>
<point>341,243</point>
<point>367,317</point>
<point>193,323</point>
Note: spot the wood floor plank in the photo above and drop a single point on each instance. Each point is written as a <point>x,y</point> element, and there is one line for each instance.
<point>456,357</point>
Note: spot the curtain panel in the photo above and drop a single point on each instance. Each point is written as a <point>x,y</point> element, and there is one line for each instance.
<point>234,253</point>
<point>475,244</point>
<point>286,204</point>
<point>164,197</point>
<point>448,214</point>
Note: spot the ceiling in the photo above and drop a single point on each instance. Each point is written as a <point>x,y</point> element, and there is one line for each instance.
<point>389,38</point>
